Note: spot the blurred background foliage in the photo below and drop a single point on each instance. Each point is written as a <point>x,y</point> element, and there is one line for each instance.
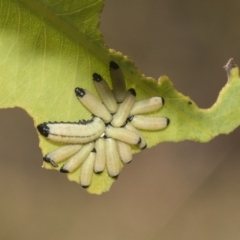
<point>178,191</point>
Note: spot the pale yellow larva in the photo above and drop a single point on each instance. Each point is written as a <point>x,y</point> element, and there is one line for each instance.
<point>123,135</point>
<point>87,169</point>
<point>146,105</point>
<point>76,160</point>
<point>100,160</point>
<point>125,152</point>
<point>149,123</point>
<point>112,158</point>
<point>105,93</point>
<point>61,153</point>
<point>93,104</point>
<point>124,109</point>
<point>143,144</point>
<point>80,132</point>
<point>118,82</point>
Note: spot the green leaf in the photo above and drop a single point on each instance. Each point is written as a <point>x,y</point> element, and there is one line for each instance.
<point>50,47</point>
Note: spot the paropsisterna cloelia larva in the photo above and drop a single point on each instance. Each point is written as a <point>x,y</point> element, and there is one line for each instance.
<point>105,140</point>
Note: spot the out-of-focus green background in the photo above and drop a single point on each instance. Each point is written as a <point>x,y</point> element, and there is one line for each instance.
<point>180,191</point>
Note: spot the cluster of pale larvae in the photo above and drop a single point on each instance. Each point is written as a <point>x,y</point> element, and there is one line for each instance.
<point>106,139</point>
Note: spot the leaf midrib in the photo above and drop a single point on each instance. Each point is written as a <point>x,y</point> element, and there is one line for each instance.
<point>60,24</point>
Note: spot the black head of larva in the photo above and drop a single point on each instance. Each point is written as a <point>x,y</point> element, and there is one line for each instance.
<point>125,123</point>
<point>98,172</point>
<point>43,129</point>
<point>97,77</point>
<point>163,101</point>
<point>144,147</point>
<point>80,92</point>
<point>114,65</point>
<point>94,150</point>
<point>168,121</point>
<point>130,118</point>
<point>132,91</point>
<point>49,160</point>
<point>115,177</point>
<point>46,159</point>
<point>53,163</point>
<point>62,170</point>
<point>107,124</point>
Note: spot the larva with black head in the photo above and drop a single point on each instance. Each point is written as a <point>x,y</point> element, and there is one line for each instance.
<point>112,158</point>
<point>125,151</point>
<point>124,109</point>
<point>118,82</point>
<point>105,93</point>
<point>149,123</point>
<point>76,160</point>
<point>100,160</point>
<point>143,144</point>
<point>61,154</point>
<point>76,133</point>
<point>146,106</point>
<point>123,135</point>
<point>87,169</point>
<point>93,104</point>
